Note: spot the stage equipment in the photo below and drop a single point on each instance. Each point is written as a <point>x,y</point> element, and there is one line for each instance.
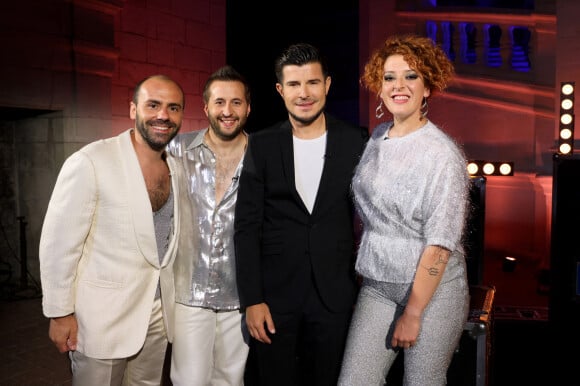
<point>566,122</point>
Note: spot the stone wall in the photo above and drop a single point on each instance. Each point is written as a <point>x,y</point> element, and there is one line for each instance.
<point>67,72</point>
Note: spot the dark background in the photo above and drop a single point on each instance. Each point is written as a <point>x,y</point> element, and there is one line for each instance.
<point>258,32</point>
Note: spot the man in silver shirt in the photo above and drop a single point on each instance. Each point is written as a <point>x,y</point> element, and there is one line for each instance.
<point>210,346</point>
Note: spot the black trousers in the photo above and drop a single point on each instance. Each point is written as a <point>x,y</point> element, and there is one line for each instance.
<point>306,349</point>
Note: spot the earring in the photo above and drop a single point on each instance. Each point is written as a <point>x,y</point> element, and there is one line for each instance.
<point>379,110</point>
<point>424,108</point>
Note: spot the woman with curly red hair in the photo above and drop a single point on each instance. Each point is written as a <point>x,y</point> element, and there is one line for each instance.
<point>411,192</point>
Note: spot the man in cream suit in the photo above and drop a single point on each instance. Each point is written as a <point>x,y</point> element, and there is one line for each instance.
<point>108,244</point>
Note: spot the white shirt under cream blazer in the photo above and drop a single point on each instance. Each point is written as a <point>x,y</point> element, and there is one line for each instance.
<point>98,252</point>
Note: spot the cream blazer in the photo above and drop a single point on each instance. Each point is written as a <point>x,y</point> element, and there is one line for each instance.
<point>98,252</point>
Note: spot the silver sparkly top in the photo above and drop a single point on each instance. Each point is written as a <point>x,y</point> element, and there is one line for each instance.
<point>205,274</point>
<point>410,192</point>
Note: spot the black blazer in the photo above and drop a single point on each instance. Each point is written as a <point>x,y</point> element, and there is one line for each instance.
<point>279,245</point>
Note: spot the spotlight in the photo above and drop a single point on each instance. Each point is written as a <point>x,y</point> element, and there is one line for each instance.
<point>505,169</point>
<point>565,148</point>
<point>567,104</point>
<point>566,123</point>
<point>473,168</point>
<point>567,88</point>
<point>490,168</point>
<point>509,264</point>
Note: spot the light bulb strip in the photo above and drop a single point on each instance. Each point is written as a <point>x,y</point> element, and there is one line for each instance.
<point>566,122</point>
<point>490,168</point>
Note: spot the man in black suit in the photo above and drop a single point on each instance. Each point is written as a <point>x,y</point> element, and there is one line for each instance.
<point>294,233</point>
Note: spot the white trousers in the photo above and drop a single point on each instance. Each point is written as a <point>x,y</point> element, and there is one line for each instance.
<point>209,348</point>
<point>144,368</point>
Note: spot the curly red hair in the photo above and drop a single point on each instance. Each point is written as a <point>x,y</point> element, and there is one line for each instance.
<point>422,55</point>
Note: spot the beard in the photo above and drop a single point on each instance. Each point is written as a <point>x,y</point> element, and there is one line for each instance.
<point>156,141</point>
<point>217,130</point>
<point>307,120</point>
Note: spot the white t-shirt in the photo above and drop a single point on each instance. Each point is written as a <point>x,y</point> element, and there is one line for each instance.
<point>308,164</point>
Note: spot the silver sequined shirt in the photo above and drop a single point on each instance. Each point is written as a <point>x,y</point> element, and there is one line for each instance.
<point>205,272</point>
<point>410,192</point>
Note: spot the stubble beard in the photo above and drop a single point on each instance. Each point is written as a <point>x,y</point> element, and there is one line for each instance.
<point>306,120</point>
<point>217,130</point>
<point>155,143</point>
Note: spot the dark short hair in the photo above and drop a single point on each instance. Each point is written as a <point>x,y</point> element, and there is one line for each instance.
<point>229,74</point>
<point>299,54</point>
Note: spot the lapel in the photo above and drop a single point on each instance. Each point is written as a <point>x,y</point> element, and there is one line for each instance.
<point>286,143</point>
<point>176,179</point>
<point>138,200</point>
<point>329,171</point>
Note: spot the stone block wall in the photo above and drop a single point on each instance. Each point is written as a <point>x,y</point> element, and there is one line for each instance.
<point>68,71</point>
